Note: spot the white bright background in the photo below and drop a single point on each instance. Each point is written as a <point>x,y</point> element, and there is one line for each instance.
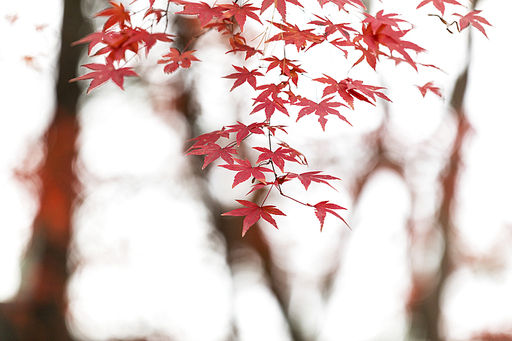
<point>150,260</point>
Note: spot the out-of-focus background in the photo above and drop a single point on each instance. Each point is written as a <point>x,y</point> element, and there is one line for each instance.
<point>107,232</point>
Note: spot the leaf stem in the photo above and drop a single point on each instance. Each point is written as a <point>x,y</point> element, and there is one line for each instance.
<point>266,196</point>
<point>167,16</point>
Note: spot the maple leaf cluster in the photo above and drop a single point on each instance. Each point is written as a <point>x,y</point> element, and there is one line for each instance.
<point>471,18</point>
<point>370,39</point>
<point>117,39</point>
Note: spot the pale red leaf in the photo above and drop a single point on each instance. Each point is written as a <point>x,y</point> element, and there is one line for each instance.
<point>439,4</point>
<point>429,87</point>
<point>342,3</point>
<point>472,18</point>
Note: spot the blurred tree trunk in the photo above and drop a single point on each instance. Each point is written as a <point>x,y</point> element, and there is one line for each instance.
<point>38,313</point>
<point>427,311</point>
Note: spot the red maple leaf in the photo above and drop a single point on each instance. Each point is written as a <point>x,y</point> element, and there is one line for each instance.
<point>116,14</point>
<point>244,75</point>
<point>175,59</point>
<point>349,89</point>
<point>238,44</point>
<point>382,19</point>
<point>472,18</point>
<point>128,39</point>
<point>359,90</point>
<point>284,64</point>
<point>321,109</point>
<point>273,129</point>
<point>331,28</point>
<point>272,90</point>
<point>158,13</point>
<point>298,156</point>
<point>246,170</point>
<point>293,35</point>
<point>280,6</point>
<point>117,44</point>
<point>213,151</point>
<point>253,213</point>
<point>392,39</point>
<point>324,207</point>
<point>242,131</point>
<point>308,177</point>
<point>270,107</point>
<point>207,138</point>
<point>104,72</point>
<point>260,185</point>
<point>278,157</point>
<point>370,56</point>
<point>93,39</point>
<point>439,4</point>
<point>288,68</point>
<point>202,10</point>
<point>386,36</point>
<point>240,13</point>
<point>276,183</point>
<point>142,36</point>
<point>342,3</point>
<point>429,87</point>
<point>292,97</point>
